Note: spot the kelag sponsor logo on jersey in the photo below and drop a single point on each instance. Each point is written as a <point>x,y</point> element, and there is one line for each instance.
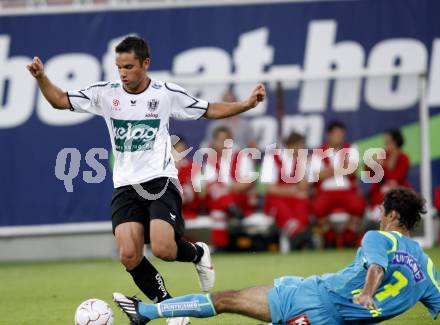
<point>405,259</point>
<point>135,135</point>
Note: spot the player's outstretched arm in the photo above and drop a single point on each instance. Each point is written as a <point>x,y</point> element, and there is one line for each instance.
<point>54,95</point>
<point>373,280</point>
<point>222,110</point>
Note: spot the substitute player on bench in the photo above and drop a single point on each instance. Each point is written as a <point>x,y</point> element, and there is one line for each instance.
<point>146,203</point>
<point>389,275</point>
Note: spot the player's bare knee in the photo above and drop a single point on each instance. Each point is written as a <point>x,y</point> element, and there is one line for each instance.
<point>164,251</point>
<point>130,258</point>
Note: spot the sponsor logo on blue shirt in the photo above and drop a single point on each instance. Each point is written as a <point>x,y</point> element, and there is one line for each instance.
<point>407,260</point>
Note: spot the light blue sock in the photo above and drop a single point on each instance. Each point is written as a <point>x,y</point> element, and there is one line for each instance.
<point>196,305</point>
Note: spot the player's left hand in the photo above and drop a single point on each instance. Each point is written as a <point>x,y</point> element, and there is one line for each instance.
<point>258,94</point>
<point>365,300</point>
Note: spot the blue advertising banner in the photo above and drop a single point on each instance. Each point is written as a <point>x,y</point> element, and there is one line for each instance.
<point>354,39</point>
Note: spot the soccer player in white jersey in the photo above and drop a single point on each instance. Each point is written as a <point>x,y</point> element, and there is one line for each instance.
<point>146,203</point>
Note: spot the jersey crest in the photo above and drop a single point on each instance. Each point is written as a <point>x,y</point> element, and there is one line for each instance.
<point>152,104</point>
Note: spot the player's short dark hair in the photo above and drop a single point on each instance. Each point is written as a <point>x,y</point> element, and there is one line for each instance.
<point>335,125</point>
<point>134,44</point>
<point>293,138</point>
<point>397,137</point>
<point>407,203</point>
<point>221,129</point>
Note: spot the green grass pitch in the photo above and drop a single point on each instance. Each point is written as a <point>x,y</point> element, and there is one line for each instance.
<point>47,293</point>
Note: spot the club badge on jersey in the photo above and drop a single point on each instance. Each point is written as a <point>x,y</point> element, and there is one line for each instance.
<point>152,104</point>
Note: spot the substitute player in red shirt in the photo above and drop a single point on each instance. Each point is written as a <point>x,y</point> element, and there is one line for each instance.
<point>287,199</point>
<point>333,196</point>
<point>229,193</point>
<point>188,171</point>
<point>395,167</point>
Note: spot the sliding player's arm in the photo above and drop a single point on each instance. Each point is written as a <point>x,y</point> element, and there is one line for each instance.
<point>373,280</point>
<point>223,110</point>
<point>54,95</point>
<point>375,248</point>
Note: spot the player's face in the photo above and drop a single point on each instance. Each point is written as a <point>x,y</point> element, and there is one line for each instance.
<point>296,146</point>
<point>383,218</point>
<point>130,69</point>
<point>218,142</point>
<point>336,137</point>
<point>390,145</point>
<point>382,215</point>
<point>229,97</point>
<point>180,147</point>
<point>387,220</point>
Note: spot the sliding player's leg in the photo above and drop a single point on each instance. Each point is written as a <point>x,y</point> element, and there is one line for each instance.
<point>252,302</point>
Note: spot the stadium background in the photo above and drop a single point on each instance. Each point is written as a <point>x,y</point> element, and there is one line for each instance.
<point>360,62</point>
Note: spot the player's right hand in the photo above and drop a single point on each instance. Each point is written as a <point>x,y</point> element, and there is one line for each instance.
<point>365,300</point>
<point>36,68</point>
<point>258,94</point>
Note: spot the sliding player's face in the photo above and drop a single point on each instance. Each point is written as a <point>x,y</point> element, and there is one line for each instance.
<point>387,220</point>
<point>130,69</point>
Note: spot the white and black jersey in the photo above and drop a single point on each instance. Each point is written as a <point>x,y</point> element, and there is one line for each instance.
<point>138,125</point>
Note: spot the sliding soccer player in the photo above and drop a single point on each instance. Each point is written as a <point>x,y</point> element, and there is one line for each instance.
<point>389,275</point>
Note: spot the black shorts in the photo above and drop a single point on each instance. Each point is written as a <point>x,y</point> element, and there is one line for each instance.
<point>128,206</point>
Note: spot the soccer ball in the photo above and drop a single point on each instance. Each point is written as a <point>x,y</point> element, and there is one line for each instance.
<point>94,312</point>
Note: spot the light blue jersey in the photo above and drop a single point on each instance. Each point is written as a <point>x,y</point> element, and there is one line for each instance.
<point>410,276</point>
